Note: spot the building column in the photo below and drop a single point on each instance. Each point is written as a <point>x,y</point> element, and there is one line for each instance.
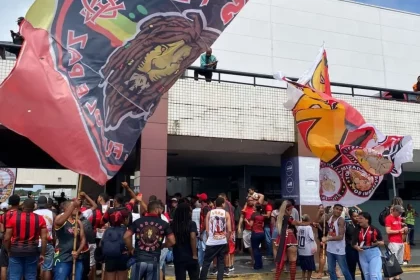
<point>153,153</point>
<point>303,151</point>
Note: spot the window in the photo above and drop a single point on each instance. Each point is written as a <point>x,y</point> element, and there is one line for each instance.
<point>410,191</point>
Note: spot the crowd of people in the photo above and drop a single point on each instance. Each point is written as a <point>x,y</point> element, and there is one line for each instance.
<point>120,239</point>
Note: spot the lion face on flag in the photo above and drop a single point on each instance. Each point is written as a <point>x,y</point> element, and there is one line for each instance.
<point>361,182</point>
<point>373,162</point>
<point>140,72</point>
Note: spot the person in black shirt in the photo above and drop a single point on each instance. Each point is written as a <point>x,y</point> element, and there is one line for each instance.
<point>352,256</point>
<point>185,249</point>
<point>149,231</point>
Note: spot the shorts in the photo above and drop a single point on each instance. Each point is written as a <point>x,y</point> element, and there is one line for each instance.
<point>92,248</point>
<point>116,264</point>
<point>291,238</point>
<point>232,246</point>
<point>247,238</point>
<point>275,233</point>
<point>162,260</point>
<point>307,263</point>
<point>398,250</point>
<point>4,258</point>
<point>49,258</point>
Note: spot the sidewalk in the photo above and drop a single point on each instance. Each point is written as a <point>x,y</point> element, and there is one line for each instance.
<point>243,270</point>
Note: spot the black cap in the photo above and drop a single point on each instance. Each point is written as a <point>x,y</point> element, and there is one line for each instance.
<point>42,201</point>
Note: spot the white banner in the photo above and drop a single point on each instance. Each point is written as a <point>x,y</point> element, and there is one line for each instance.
<point>7,183</point>
<point>309,181</point>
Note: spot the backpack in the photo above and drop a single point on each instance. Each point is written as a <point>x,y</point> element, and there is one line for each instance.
<point>383,215</point>
<point>113,242</point>
<point>89,233</point>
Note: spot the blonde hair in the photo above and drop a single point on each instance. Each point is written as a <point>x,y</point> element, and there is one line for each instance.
<point>306,218</point>
<point>280,217</point>
<point>397,201</point>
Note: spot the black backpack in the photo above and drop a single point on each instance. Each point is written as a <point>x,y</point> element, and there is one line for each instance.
<point>113,242</point>
<point>89,232</point>
<point>383,215</point>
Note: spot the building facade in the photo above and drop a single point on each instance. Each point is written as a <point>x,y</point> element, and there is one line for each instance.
<point>234,133</point>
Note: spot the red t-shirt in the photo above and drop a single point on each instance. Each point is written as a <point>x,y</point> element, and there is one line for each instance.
<point>247,215</point>
<point>268,208</point>
<point>258,226</point>
<point>395,224</point>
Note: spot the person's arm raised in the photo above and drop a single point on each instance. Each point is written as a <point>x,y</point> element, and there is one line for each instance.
<point>61,219</point>
<point>92,203</point>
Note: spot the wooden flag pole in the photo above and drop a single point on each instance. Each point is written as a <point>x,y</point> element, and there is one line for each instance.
<point>76,226</point>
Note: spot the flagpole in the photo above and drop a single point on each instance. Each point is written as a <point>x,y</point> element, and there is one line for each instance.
<point>393,186</point>
<point>76,226</point>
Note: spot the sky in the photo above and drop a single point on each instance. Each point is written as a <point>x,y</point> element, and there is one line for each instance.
<point>412,6</point>
<point>10,11</point>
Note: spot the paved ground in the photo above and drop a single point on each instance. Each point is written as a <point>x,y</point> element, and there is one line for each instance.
<point>244,270</point>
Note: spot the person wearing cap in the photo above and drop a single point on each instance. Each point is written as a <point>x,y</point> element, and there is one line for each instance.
<point>395,230</point>
<point>202,235</point>
<point>174,205</point>
<point>49,217</point>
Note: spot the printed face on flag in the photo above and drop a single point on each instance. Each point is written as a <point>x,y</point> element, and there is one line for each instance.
<point>354,155</point>
<point>101,68</point>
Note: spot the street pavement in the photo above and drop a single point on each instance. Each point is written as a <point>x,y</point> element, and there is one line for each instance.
<point>242,269</point>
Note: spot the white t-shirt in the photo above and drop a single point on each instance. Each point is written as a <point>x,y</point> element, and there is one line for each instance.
<point>48,217</point>
<point>306,240</point>
<point>217,228</point>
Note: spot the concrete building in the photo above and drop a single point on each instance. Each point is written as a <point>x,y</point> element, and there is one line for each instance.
<point>234,133</point>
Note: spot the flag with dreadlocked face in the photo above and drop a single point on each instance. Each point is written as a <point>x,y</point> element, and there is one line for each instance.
<point>91,73</point>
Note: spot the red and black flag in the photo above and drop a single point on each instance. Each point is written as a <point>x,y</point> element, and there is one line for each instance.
<point>91,73</point>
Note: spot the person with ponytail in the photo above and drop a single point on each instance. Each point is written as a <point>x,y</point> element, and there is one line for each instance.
<point>366,240</point>
<point>286,240</point>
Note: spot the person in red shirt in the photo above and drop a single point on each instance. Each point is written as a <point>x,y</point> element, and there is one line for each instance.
<point>245,219</point>
<point>257,235</point>
<point>14,201</point>
<point>23,232</point>
<point>286,240</point>
<point>395,230</point>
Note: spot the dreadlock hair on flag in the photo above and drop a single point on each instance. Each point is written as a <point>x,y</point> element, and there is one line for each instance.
<point>181,223</point>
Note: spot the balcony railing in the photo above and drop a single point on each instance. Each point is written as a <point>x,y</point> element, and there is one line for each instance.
<point>262,80</point>
<point>268,81</point>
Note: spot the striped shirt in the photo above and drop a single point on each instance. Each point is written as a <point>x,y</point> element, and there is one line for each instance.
<point>26,230</point>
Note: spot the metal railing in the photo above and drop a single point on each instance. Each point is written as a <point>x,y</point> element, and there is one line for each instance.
<point>349,89</point>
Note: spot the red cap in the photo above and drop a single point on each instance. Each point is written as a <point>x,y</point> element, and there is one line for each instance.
<point>202,196</point>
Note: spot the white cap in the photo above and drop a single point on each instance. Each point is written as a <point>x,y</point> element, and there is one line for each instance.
<point>4,205</point>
